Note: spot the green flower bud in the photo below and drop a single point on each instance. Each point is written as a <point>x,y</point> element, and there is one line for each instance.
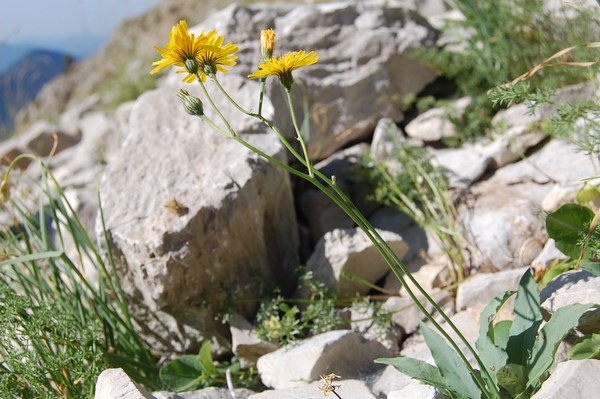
<point>193,105</point>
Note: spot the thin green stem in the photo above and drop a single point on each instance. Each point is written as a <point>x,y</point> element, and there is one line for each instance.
<point>214,106</point>
<point>263,81</point>
<point>290,101</point>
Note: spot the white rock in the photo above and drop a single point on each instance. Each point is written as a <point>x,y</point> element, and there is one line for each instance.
<point>205,393</point>
<point>343,352</point>
<point>483,287</point>
<point>415,390</point>
<point>434,124</point>
<point>386,137</point>
<point>246,344</point>
<point>407,315</point>
<point>572,379</point>
<point>575,286</point>
<point>549,254</point>
<point>464,165</point>
<point>363,70</point>
<point>387,380</point>
<point>233,221</point>
<point>350,251</point>
<point>116,384</point>
<point>347,389</point>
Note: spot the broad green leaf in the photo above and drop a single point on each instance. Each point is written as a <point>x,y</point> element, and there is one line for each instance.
<point>450,365</point>
<point>566,226</point>
<point>502,333</point>
<point>206,359</point>
<point>587,347</point>
<point>419,370</point>
<point>542,357</point>
<point>528,317</point>
<point>182,374</point>
<point>592,267</point>
<point>512,377</point>
<point>492,355</point>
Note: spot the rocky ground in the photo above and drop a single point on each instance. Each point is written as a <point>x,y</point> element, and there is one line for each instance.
<point>242,221</point>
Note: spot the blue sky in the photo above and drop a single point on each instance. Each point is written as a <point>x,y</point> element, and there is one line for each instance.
<point>61,23</point>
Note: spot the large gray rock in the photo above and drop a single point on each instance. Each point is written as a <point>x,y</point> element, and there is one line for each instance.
<point>343,352</point>
<point>576,286</point>
<point>364,69</point>
<point>572,379</point>
<point>116,384</point>
<point>194,218</point>
<point>350,252</point>
<point>481,288</point>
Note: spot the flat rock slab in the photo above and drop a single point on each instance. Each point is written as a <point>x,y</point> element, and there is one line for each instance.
<point>347,389</point>
<point>343,352</point>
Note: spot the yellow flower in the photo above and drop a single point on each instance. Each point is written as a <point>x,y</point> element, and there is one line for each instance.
<point>267,44</point>
<point>182,46</point>
<point>214,54</point>
<point>283,66</point>
<point>203,54</point>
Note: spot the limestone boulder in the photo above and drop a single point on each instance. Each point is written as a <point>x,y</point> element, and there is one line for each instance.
<point>345,256</point>
<point>363,72</point>
<point>194,218</point>
<point>481,288</point>
<point>571,379</point>
<point>342,352</point>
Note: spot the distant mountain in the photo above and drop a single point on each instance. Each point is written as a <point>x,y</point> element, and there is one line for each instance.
<point>11,53</point>
<point>21,82</point>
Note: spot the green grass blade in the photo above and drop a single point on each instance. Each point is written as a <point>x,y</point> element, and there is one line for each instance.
<point>31,257</point>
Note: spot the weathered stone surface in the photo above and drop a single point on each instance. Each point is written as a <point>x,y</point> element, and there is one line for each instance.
<point>415,390</point>
<point>434,124</point>
<point>483,287</point>
<point>349,251</point>
<point>362,73</point>
<point>206,393</point>
<point>467,323</point>
<point>407,315</point>
<point>548,254</point>
<point>116,384</point>
<point>343,352</point>
<point>463,165</point>
<point>386,137</point>
<point>347,389</point>
<point>321,213</point>
<point>192,216</point>
<point>387,380</point>
<point>245,343</point>
<point>42,139</point>
<point>572,379</point>
<point>506,228</point>
<point>576,286</point>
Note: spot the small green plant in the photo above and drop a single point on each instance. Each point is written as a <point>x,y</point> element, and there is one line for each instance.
<point>500,40</point>
<point>52,303</point>
<point>517,354</point>
<point>191,372</point>
<point>420,190</point>
<point>45,352</point>
<point>283,321</point>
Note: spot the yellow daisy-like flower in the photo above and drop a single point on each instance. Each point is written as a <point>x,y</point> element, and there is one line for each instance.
<point>203,54</point>
<point>215,55</point>
<point>283,66</point>
<point>182,46</point>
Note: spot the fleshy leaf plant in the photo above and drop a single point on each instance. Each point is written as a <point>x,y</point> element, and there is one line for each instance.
<point>518,354</point>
